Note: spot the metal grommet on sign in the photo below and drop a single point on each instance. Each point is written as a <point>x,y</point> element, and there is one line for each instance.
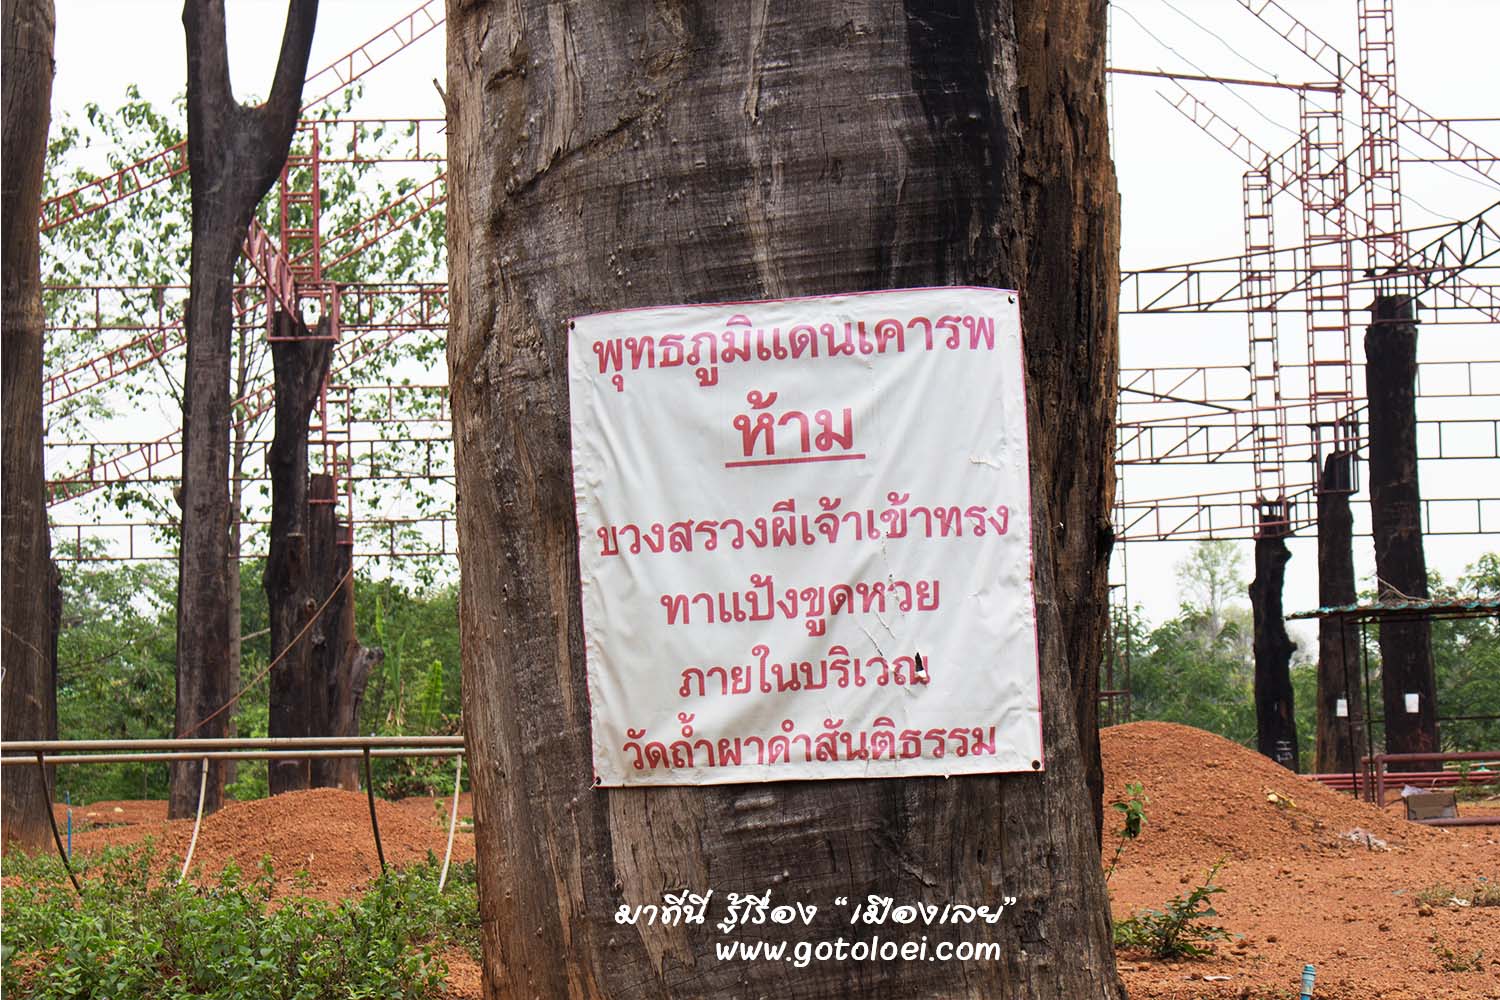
<point>1036,765</point>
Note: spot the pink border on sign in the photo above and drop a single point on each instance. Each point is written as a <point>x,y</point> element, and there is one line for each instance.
<point>1036,631</point>
<point>806,298</point>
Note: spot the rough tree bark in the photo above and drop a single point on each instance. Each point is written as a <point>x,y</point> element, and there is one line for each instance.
<point>1341,741</point>
<point>238,446</point>
<point>1275,723</point>
<point>235,153</point>
<point>340,665</point>
<point>29,687</point>
<point>300,359</point>
<point>607,157</point>
<point>1072,234</point>
<point>1396,519</point>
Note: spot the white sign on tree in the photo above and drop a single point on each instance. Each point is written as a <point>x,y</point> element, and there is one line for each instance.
<point>805,538</point>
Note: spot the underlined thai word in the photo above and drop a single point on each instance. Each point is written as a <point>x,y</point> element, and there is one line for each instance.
<point>804,437</point>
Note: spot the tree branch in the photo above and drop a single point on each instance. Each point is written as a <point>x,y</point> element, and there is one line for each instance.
<point>278,116</point>
<point>208,58</point>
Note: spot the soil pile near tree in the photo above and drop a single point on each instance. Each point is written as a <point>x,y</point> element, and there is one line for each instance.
<point>324,830</point>
<point>1388,918</point>
<point>1212,798</point>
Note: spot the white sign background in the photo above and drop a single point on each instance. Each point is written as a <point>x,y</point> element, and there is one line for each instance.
<point>756,596</point>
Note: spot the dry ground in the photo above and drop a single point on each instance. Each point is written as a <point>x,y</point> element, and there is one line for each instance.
<point>1302,886</point>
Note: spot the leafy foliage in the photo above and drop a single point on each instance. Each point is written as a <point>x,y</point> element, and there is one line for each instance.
<point>1133,810</point>
<point>136,936</point>
<point>1466,659</point>
<point>1186,671</point>
<point>373,216</point>
<point>1212,575</point>
<point>115,677</point>
<point>116,655</point>
<point>1456,960</point>
<point>1198,668</point>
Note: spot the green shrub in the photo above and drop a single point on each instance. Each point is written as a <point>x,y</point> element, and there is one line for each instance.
<point>1182,930</point>
<point>1133,809</point>
<point>135,935</point>
<point>1452,960</point>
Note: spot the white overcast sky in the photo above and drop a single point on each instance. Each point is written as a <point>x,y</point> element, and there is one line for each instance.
<point>1180,191</point>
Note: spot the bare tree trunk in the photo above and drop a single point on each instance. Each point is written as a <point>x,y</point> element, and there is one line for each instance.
<point>1275,720</point>
<point>27,648</point>
<point>341,665</point>
<point>235,153</point>
<point>292,577</point>
<point>614,158</point>
<point>1341,740</point>
<point>239,444</point>
<point>1396,517</point>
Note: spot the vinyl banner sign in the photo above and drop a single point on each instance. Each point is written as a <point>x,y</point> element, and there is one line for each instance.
<point>805,538</point>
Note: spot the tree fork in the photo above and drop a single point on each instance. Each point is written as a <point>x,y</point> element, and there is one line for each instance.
<point>1396,519</point>
<point>607,160</point>
<point>235,152</point>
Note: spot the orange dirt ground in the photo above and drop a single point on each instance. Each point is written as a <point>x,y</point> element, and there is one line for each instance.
<point>325,831</point>
<point>1296,891</point>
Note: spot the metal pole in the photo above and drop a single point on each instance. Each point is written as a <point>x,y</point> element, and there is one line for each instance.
<point>193,844</point>
<point>163,755</point>
<point>374,825</point>
<point>41,767</point>
<point>458,775</point>
<point>269,743</point>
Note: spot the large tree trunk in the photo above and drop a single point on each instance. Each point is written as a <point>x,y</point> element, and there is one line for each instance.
<point>318,686</point>
<point>1396,518</point>
<point>1275,722</point>
<point>292,575</point>
<point>608,158</point>
<point>29,686</point>
<point>235,153</point>
<point>1341,739</point>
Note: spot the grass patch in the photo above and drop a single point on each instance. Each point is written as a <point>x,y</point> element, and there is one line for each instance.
<point>1451,960</point>
<point>1482,893</point>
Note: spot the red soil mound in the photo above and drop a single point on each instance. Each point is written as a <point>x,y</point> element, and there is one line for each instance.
<point>1296,891</point>
<point>326,831</point>
<point>1210,799</point>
